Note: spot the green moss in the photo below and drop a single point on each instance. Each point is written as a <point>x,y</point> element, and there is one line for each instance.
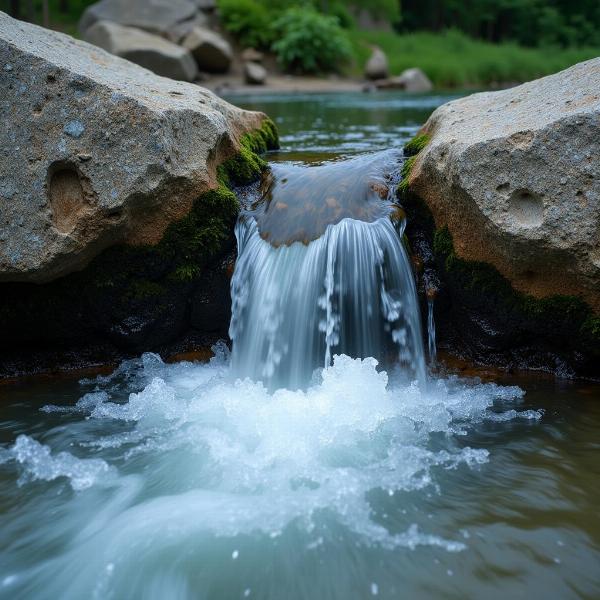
<point>247,165</point>
<point>411,150</point>
<point>414,146</point>
<point>403,187</point>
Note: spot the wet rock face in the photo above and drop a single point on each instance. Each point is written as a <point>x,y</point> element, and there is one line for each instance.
<point>95,151</point>
<point>515,176</point>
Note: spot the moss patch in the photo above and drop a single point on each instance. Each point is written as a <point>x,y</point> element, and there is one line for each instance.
<point>411,150</point>
<point>247,165</point>
<point>414,146</point>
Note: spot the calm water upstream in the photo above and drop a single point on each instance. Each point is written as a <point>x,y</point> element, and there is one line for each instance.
<point>349,482</point>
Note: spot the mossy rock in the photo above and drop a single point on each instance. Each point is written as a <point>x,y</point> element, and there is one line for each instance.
<point>137,297</point>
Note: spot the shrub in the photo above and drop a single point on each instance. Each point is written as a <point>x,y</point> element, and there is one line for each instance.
<point>309,42</point>
<point>248,20</point>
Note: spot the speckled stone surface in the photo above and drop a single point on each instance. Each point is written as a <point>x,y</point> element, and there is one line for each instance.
<point>515,175</point>
<point>95,151</point>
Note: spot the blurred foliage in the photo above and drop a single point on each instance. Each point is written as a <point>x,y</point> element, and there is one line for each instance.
<point>456,42</point>
<point>303,39</point>
<point>565,23</point>
<point>249,21</point>
<point>452,59</point>
<point>62,14</point>
<point>310,42</point>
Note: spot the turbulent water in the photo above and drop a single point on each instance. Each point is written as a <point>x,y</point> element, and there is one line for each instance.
<point>161,476</point>
<point>319,460</point>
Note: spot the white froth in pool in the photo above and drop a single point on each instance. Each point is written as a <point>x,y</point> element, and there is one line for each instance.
<point>159,472</point>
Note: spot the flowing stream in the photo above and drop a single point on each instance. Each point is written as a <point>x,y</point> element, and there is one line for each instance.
<point>320,458</point>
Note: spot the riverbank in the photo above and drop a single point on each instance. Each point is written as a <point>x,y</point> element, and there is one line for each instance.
<point>453,60</point>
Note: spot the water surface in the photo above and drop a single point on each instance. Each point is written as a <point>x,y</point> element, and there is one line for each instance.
<point>182,481</point>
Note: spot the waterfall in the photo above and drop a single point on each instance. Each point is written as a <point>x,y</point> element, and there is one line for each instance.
<point>349,291</point>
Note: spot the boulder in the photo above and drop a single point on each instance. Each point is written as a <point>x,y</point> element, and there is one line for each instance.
<point>211,51</point>
<point>377,66</point>
<point>157,16</point>
<point>514,176</point>
<point>96,151</point>
<point>177,32</point>
<point>410,80</point>
<point>414,80</point>
<point>145,49</point>
<point>255,74</point>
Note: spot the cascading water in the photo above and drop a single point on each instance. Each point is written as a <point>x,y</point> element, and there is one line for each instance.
<point>299,468</point>
<point>349,291</point>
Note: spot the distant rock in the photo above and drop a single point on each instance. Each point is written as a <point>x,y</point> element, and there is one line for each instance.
<point>377,66</point>
<point>145,49</point>
<point>96,151</point>
<point>158,16</point>
<point>211,51</point>
<point>515,176</point>
<point>411,80</point>
<point>177,32</point>
<point>414,80</point>
<point>255,74</point>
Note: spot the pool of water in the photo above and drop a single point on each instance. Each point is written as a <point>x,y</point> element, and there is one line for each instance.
<point>181,481</point>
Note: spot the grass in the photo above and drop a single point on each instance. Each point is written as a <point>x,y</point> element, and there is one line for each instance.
<point>452,59</point>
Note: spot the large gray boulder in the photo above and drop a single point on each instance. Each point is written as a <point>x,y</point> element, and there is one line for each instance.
<point>145,49</point>
<point>515,175</point>
<point>212,52</point>
<point>96,151</point>
<point>158,16</point>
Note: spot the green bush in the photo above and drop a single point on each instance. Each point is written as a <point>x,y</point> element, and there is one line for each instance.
<point>249,21</point>
<point>309,42</point>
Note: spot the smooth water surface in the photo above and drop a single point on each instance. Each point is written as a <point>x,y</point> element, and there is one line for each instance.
<point>184,481</point>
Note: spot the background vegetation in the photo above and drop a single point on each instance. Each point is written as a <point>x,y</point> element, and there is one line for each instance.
<point>456,42</point>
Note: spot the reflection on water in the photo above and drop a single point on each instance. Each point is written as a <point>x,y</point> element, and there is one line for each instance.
<point>322,126</point>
